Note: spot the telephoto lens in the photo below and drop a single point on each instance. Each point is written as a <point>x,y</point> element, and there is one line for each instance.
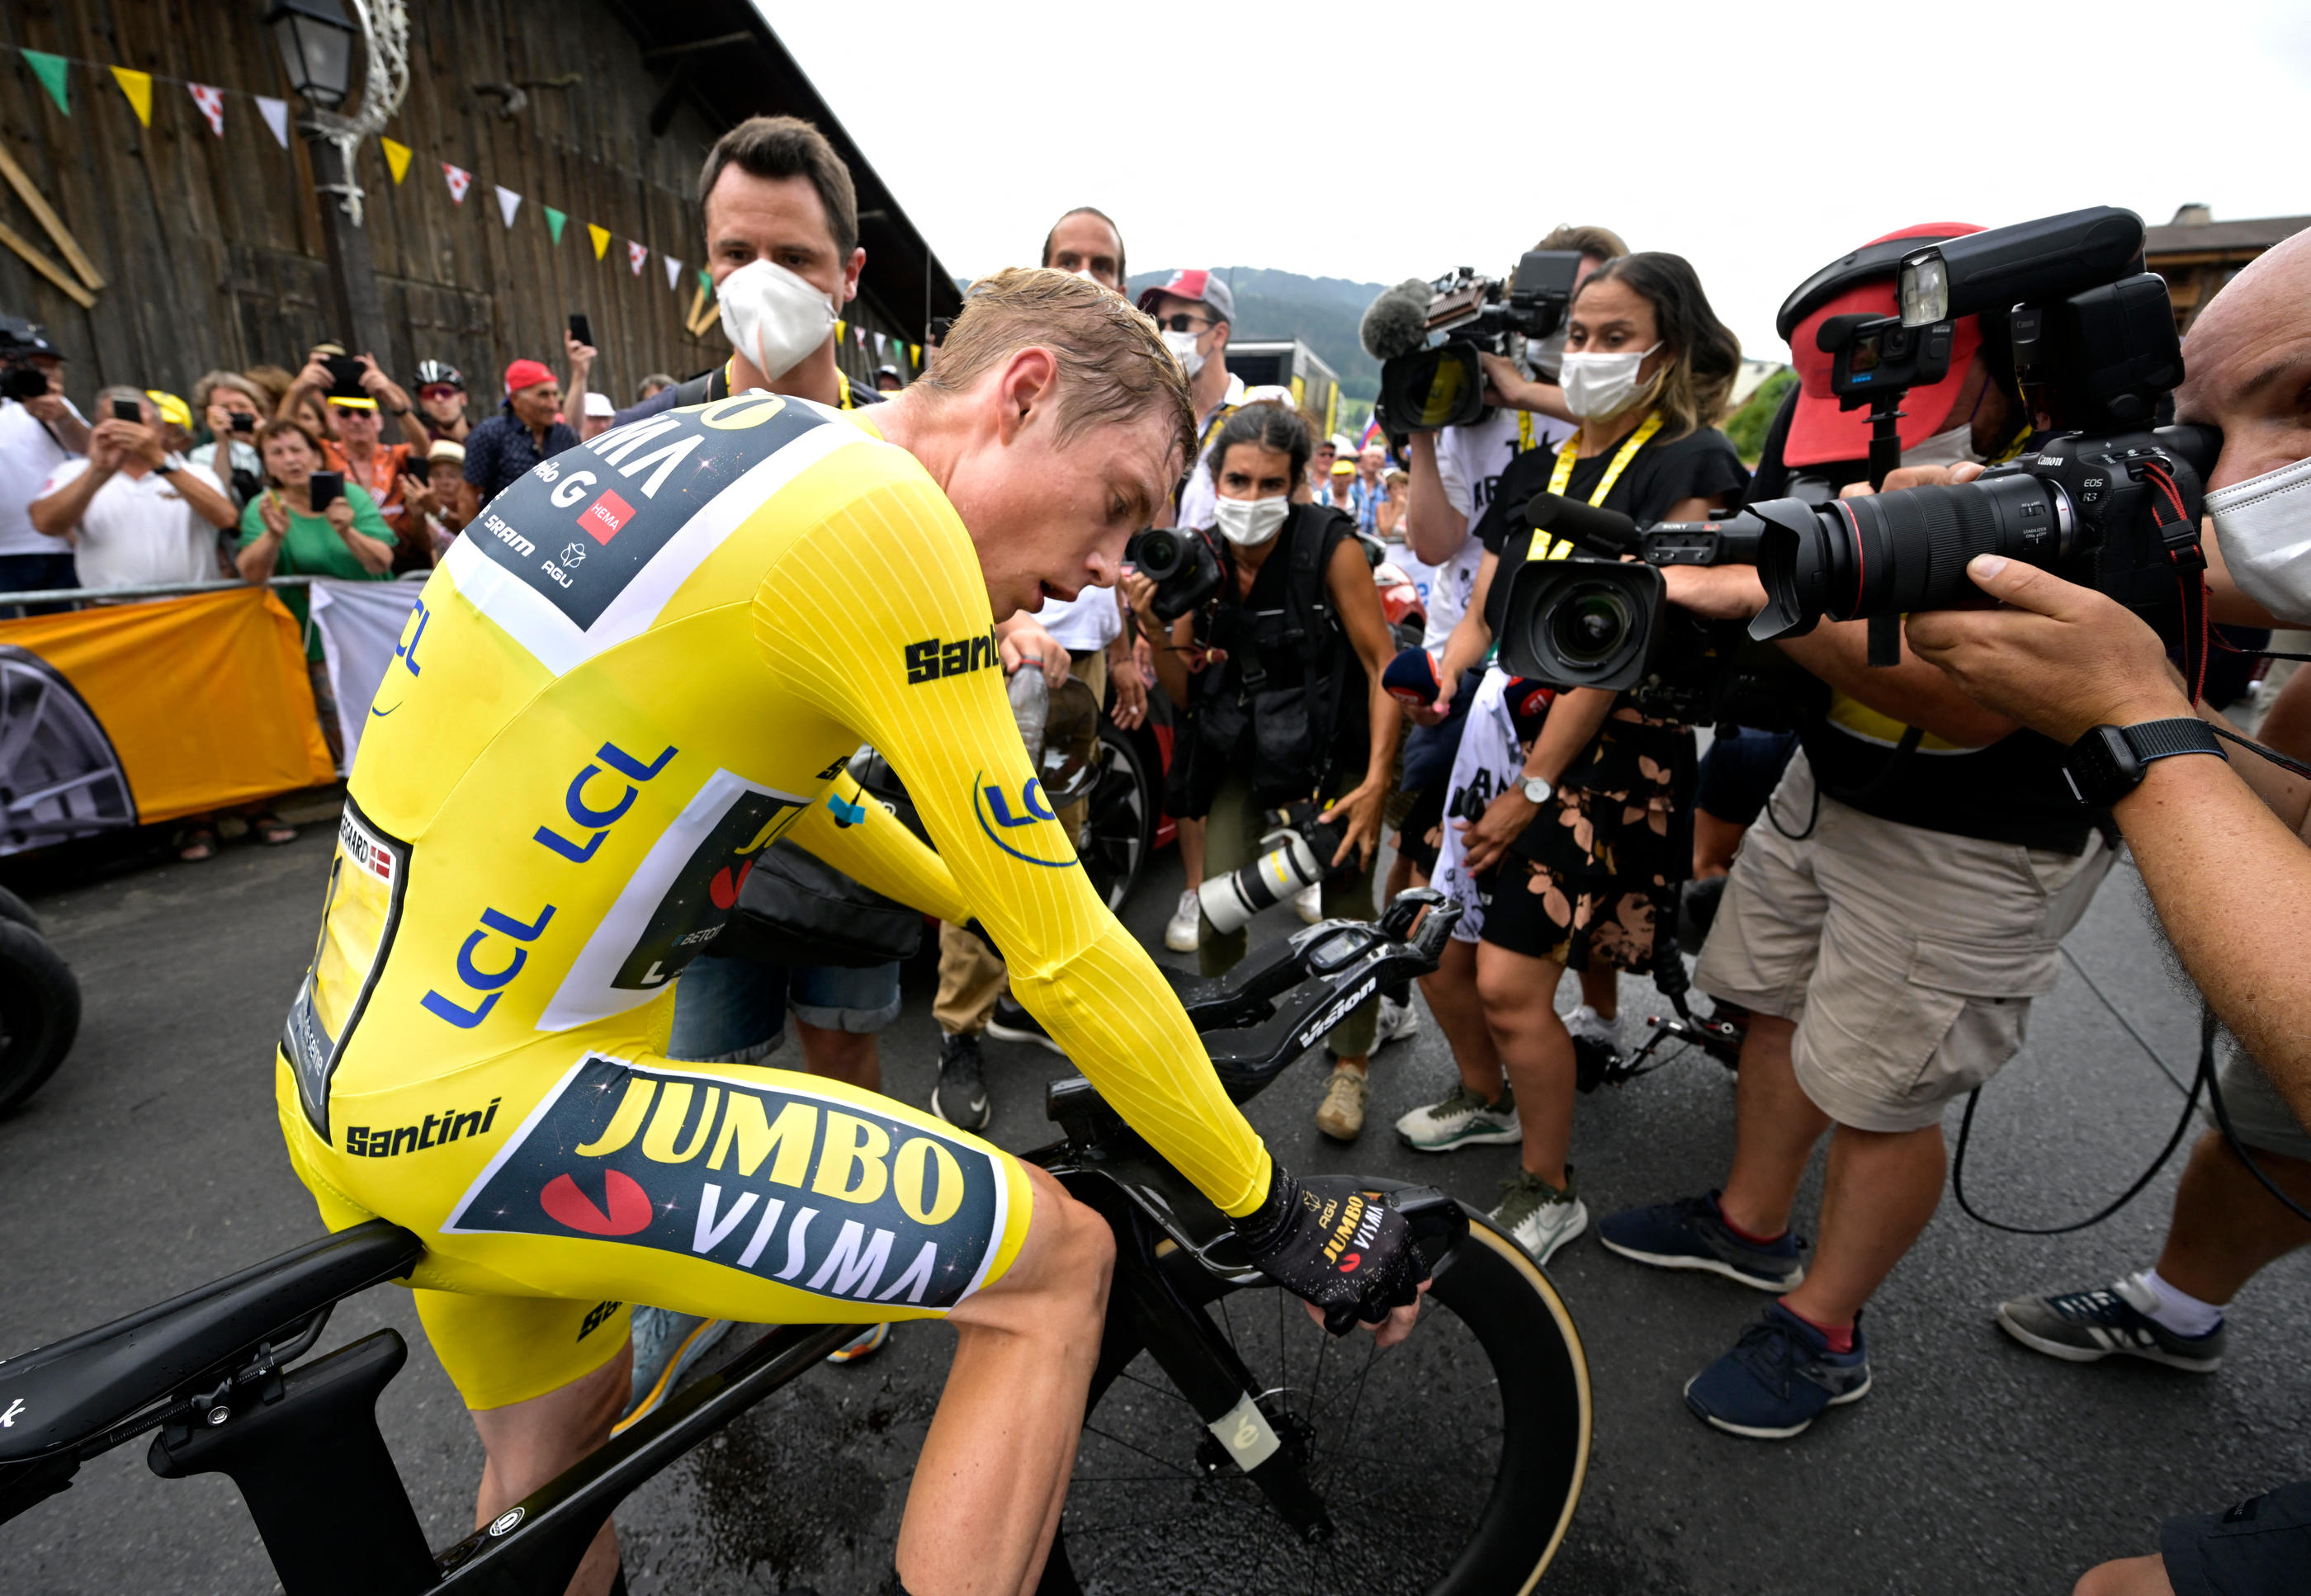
<point>1894,554</point>
<point>1294,858</point>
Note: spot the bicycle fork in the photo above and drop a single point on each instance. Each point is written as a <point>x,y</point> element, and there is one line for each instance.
<point>1219,1388</point>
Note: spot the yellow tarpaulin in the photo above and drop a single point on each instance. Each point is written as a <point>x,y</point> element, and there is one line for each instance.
<point>135,713</point>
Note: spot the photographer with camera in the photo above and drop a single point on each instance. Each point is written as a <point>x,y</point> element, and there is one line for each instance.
<point>2219,842</point>
<point>1289,714</point>
<point>1888,923</point>
<point>1577,861</point>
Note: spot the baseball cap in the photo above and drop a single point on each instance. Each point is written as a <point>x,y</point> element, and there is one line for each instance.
<point>1341,467</point>
<point>1819,432</point>
<point>447,448</point>
<point>599,404</point>
<point>1201,285</point>
<point>172,409</point>
<point>21,338</point>
<point>526,373</point>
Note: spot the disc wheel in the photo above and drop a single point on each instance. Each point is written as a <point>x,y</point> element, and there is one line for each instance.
<point>1120,823</point>
<point>1448,1465</point>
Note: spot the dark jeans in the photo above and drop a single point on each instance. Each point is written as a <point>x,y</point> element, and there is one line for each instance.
<point>35,573</point>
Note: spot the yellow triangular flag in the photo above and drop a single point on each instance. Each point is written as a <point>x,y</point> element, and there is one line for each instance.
<point>138,87</point>
<point>397,158</point>
<point>601,237</point>
<point>915,354</point>
<point>840,332</point>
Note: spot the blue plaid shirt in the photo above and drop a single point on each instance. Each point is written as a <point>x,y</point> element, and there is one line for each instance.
<point>498,450</point>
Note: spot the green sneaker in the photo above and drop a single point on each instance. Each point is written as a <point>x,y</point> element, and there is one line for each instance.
<point>1540,1218</point>
<point>1463,1120</point>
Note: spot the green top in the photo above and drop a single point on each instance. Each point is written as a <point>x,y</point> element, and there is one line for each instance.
<point>313,548</point>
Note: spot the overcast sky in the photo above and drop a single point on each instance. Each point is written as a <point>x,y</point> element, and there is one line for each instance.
<point>1381,141</point>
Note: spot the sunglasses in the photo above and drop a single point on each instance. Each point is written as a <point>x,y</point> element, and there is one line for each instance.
<point>1183,322</point>
<point>440,391</point>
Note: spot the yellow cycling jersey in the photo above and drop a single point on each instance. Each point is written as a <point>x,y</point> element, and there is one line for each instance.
<point>644,662</point>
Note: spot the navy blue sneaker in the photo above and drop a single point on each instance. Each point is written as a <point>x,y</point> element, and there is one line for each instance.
<point>1690,1234</point>
<point>1778,1378</point>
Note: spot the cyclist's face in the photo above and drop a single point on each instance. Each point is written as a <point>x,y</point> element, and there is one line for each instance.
<point>779,219</point>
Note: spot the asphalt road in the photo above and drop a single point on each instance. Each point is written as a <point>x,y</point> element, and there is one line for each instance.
<point>151,1164</point>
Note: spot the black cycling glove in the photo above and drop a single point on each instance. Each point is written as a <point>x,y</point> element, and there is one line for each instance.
<point>1326,1241</point>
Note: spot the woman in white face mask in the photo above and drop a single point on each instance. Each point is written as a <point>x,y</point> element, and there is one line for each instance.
<point>1279,674</point>
<point>1576,855</point>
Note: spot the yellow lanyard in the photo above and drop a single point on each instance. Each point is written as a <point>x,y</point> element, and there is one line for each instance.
<point>1566,452</point>
<point>1525,439</point>
<point>843,384</point>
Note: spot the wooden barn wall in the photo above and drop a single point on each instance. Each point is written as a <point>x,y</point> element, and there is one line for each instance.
<point>211,248</point>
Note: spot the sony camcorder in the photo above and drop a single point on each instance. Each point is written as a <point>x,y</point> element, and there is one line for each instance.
<point>1427,336</point>
<point>2109,499</point>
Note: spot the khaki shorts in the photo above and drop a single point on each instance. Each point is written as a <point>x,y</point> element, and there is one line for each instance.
<point>1907,957</point>
<point>2259,1115</point>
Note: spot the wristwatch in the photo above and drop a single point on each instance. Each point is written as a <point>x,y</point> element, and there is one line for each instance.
<point>2108,761</point>
<point>1536,790</point>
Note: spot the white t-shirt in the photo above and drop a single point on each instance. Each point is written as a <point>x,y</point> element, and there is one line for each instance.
<point>1200,498</point>
<point>1469,461</point>
<point>139,529</point>
<point>29,451</point>
<point>1090,620</point>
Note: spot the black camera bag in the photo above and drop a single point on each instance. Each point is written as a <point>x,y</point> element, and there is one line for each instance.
<point>795,907</point>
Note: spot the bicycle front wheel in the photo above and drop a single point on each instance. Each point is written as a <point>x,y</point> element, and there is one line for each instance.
<point>1448,1465</point>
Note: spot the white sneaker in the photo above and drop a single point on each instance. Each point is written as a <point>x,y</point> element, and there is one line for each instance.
<point>1397,1021</point>
<point>1184,932</point>
<point>1462,1120</point>
<point>1540,1218</point>
<point>1308,903</point>
<point>1585,1021</point>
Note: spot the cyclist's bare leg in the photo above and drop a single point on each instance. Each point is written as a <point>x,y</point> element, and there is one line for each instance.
<point>848,1056</point>
<point>529,1442</point>
<point>994,1468</point>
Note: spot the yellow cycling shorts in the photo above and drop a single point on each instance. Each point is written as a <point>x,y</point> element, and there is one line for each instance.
<point>555,1184</point>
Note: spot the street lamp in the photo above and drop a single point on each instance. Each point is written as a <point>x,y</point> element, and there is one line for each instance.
<point>315,39</point>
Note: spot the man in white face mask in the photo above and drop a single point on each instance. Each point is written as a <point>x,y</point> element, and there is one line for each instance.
<point>2219,842</point>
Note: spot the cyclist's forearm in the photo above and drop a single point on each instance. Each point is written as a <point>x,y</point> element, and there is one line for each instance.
<point>852,831</point>
<point>1110,1009</point>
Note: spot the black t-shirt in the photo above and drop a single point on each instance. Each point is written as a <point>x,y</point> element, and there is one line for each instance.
<point>1701,464</point>
<point>2012,790</point>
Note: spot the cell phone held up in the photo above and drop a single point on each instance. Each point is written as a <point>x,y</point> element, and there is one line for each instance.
<point>129,411</point>
<point>325,488</point>
<point>20,383</point>
<point>581,328</point>
<point>243,422</point>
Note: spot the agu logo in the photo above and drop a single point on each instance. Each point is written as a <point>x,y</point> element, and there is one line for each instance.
<point>606,517</point>
<point>1020,823</point>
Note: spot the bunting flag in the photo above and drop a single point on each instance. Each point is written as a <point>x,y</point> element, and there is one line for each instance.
<point>914,354</point>
<point>673,272</point>
<point>461,179</point>
<point>635,255</point>
<point>841,329</point>
<point>212,103</point>
<point>275,113</point>
<point>860,333</point>
<point>508,202</point>
<point>553,220</point>
<point>138,86</point>
<point>51,70</point>
<point>601,237</point>
<point>706,282</point>
<point>397,158</point>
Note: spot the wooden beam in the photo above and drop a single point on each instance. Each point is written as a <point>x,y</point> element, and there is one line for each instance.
<point>37,203</point>
<point>47,268</point>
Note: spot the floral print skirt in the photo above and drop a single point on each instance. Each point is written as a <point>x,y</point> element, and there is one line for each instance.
<point>1598,868</point>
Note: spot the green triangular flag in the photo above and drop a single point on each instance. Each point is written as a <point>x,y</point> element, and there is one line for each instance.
<point>51,71</point>
<point>553,220</point>
<point>706,283</point>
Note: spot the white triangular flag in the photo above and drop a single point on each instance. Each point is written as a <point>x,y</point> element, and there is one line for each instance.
<point>211,100</point>
<point>508,202</point>
<point>673,271</point>
<point>637,254</point>
<point>275,113</point>
<point>459,180</point>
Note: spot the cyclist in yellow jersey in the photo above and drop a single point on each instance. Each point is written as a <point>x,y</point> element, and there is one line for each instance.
<point>645,661</point>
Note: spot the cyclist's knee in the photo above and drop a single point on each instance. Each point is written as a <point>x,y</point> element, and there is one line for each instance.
<point>1069,1251</point>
